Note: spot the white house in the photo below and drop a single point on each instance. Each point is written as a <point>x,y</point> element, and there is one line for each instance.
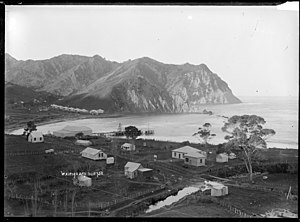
<point>128,147</point>
<point>179,153</point>
<point>131,169</point>
<point>194,159</point>
<point>222,158</point>
<point>36,137</point>
<point>217,189</point>
<point>84,181</point>
<point>93,154</point>
<point>83,142</point>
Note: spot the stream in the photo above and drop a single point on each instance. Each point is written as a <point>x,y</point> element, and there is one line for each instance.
<point>174,198</point>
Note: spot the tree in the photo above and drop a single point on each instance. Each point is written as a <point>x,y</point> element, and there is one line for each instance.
<point>246,135</point>
<point>30,127</point>
<point>79,135</point>
<point>132,132</point>
<point>204,133</point>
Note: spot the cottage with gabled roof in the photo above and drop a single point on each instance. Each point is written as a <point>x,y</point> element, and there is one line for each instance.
<point>194,159</point>
<point>179,153</point>
<point>93,154</point>
<point>131,169</point>
<point>35,137</point>
<point>128,147</point>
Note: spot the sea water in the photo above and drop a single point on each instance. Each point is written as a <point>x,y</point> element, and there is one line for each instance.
<point>280,114</point>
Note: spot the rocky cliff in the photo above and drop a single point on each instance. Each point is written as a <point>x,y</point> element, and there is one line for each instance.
<point>141,85</point>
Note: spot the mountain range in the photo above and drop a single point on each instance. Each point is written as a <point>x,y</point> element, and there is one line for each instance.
<point>140,85</point>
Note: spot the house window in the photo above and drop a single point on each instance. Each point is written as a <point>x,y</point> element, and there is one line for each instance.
<point>34,139</point>
<point>200,160</point>
<point>186,159</point>
<point>41,138</point>
<point>179,156</point>
<point>99,155</point>
<point>174,154</point>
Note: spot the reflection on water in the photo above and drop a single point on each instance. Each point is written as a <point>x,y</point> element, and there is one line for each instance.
<point>172,199</point>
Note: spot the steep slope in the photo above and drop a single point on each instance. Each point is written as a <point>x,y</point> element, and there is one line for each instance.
<point>61,75</point>
<point>140,85</point>
<point>145,85</point>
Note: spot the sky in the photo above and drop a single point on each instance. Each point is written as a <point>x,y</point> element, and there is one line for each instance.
<point>255,49</point>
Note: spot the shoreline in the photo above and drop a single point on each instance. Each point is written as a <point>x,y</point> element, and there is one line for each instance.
<point>13,127</point>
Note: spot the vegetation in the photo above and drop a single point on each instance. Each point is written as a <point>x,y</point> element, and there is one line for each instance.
<point>132,132</point>
<point>204,133</point>
<point>247,136</point>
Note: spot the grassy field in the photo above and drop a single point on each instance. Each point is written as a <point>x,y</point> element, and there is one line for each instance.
<point>257,201</point>
<point>211,210</point>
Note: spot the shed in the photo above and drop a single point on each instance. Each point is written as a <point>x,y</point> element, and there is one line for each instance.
<point>35,137</point>
<point>93,154</point>
<point>49,151</point>
<point>222,158</point>
<point>72,131</point>
<point>131,169</point>
<point>217,189</point>
<point>110,160</point>
<point>128,147</point>
<point>194,159</point>
<point>83,142</point>
<point>84,181</point>
<point>145,172</point>
<point>232,156</point>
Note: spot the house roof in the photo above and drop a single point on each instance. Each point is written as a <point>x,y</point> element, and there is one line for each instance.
<point>194,154</point>
<point>222,155</point>
<point>127,144</point>
<point>187,149</point>
<point>91,151</point>
<point>36,134</point>
<point>83,141</point>
<point>214,185</point>
<point>144,169</point>
<point>83,178</point>
<point>132,166</point>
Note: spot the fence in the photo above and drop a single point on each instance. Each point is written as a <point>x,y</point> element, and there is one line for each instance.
<point>99,205</point>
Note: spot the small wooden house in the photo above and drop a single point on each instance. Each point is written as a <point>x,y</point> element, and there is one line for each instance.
<point>93,154</point>
<point>83,181</point>
<point>83,142</point>
<point>222,158</point>
<point>35,137</point>
<point>131,169</point>
<point>128,147</point>
<point>194,159</point>
<point>217,189</point>
<point>180,152</point>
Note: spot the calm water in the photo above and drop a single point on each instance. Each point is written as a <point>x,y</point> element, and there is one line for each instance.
<point>172,199</point>
<point>280,113</point>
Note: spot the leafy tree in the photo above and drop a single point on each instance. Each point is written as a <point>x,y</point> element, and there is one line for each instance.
<point>247,136</point>
<point>132,132</point>
<point>30,127</point>
<point>79,135</point>
<point>204,133</point>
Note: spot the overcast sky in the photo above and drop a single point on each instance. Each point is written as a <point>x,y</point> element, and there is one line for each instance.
<point>254,49</point>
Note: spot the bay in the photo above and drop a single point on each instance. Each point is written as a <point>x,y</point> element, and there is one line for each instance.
<point>280,114</point>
